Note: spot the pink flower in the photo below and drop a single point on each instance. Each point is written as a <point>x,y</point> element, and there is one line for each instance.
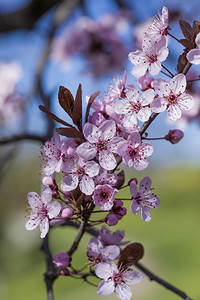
<point>42,209</point>
<point>174,136</point>
<point>79,172</point>
<point>172,96</point>
<point>134,107</point>
<point>106,178</point>
<point>97,252</point>
<point>159,24</point>
<point>101,141</point>
<point>145,82</point>
<point>150,58</point>
<point>62,260</point>
<point>143,201</point>
<point>109,238</point>
<point>104,196</point>
<point>116,280</point>
<point>134,152</point>
<point>55,151</point>
<point>193,56</point>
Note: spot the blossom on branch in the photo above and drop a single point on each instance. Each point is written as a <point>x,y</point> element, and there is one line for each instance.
<point>42,209</point>
<point>116,280</point>
<point>104,196</point>
<point>171,96</point>
<point>143,200</point>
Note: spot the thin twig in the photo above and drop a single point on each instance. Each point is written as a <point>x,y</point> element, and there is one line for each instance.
<point>162,282</point>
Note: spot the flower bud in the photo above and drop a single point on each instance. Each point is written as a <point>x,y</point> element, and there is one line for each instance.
<point>62,260</point>
<point>174,136</point>
<point>133,179</point>
<point>64,272</point>
<point>67,213</point>
<point>111,219</point>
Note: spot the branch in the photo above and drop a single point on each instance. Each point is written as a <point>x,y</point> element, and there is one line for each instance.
<point>50,275</point>
<point>162,282</point>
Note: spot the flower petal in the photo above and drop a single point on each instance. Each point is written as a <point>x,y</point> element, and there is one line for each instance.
<point>69,183</point>
<point>107,160</point>
<point>145,185</point>
<point>86,185</point>
<point>134,207</point>
<point>178,84</point>
<point>105,288</point>
<point>145,214</point>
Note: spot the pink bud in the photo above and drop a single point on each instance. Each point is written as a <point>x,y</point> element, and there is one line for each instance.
<point>174,136</point>
<point>62,260</point>
<point>64,272</point>
<point>67,213</point>
<point>111,219</point>
<point>133,179</point>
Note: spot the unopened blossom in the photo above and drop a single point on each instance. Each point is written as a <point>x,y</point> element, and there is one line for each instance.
<point>111,238</point>
<point>55,151</point>
<point>79,172</point>
<point>97,252</point>
<point>67,213</point>
<point>193,56</point>
<point>104,196</point>
<point>143,200</point>
<point>134,106</point>
<point>42,209</point>
<point>159,24</point>
<point>145,82</point>
<point>116,280</point>
<point>134,152</point>
<point>172,97</point>
<point>174,136</point>
<point>150,57</point>
<point>116,213</point>
<point>102,141</point>
<point>62,260</point>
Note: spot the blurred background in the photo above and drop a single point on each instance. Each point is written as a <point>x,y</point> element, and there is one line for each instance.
<point>45,44</point>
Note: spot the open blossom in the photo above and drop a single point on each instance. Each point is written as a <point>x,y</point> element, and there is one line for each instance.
<point>134,152</point>
<point>143,200</point>
<point>42,209</point>
<point>104,177</point>
<point>134,107</point>
<point>97,252</point>
<point>55,151</point>
<point>116,280</point>
<point>159,24</point>
<point>104,196</point>
<point>193,56</point>
<point>79,172</point>
<point>172,96</point>
<point>150,57</point>
<point>101,141</point>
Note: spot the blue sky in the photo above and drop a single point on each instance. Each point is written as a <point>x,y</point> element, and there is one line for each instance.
<point>27,47</point>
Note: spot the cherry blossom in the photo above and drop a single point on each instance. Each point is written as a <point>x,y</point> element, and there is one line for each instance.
<point>104,177</point>
<point>117,90</point>
<point>159,24</point>
<point>116,280</point>
<point>193,56</point>
<point>145,82</point>
<point>79,172</point>
<point>97,252</point>
<point>171,96</point>
<point>102,141</point>
<point>134,152</point>
<point>150,57</point>
<point>55,151</point>
<point>134,107</point>
<point>143,200</point>
<point>42,209</point>
<point>104,196</point>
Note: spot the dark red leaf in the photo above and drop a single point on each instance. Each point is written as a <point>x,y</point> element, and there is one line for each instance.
<point>77,111</point>
<point>131,254</point>
<point>66,100</point>
<point>69,132</point>
<point>54,117</point>
<point>186,29</point>
<point>195,30</point>
<point>186,43</point>
<point>91,100</point>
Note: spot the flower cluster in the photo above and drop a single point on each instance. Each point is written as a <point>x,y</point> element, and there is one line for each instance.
<point>81,170</point>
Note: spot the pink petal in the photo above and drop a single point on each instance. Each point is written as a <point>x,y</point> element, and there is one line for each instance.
<point>163,53</point>
<point>34,200</point>
<point>121,107</point>
<point>158,105</point>
<point>44,227</point>
<point>178,84</point>
<point>140,69</point>
<point>111,252</point>
<point>53,209</point>
<point>86,151</point>
<point>105,288</point>
<point>132,277</point>
<point>107,160</point>
<point>186,101</point>
<point>155,68</point>
<point>197,40</point>
<point>161,87</point>
<point>123,291</point>
<point>140,164</point>
<point>133,188</point>
<point>92,168</point>
<point>147,97</point>
<point>174,112</point>
<point>145,214</point>
<point>105,270</point>
<point>90,132</point>
<point>193,56</point>
<point>144,114</point>
<point>87,185</point>
<point>46,195</point>
<point>107,129</point>
<point>145,185</point>
<point>33,222</point>
<point>69,183</point>
<point>134,207</point>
